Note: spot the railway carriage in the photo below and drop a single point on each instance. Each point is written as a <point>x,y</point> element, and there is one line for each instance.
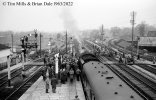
<point>100,83</point>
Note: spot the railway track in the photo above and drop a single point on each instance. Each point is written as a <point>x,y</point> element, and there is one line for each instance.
<point>17,82</point>
<point>142,85</point>
<point>16,94</point>
<point>149,68</point>
<point>14,73</point>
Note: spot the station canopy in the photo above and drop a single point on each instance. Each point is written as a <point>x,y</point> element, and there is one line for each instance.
<point>147,41</point>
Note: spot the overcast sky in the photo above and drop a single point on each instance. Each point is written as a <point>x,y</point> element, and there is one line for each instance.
<point>84,14</point>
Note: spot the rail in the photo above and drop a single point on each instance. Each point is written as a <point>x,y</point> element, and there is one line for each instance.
<point>23,84</point>
<point>134,77</point>
<point>15,73</point>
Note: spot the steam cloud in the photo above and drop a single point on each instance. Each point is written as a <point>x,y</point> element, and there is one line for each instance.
<point>69,23</point>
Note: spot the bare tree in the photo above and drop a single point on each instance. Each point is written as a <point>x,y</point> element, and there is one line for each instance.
<point>141,29</point>
<point>115,31</point>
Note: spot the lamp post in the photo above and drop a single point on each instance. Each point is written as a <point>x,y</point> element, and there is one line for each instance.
<point>132,21</point>
<point>9,75</point>
<point>71,45</point>
<point>9,72</point>
<point>24,45</point>
<point>50,44</point>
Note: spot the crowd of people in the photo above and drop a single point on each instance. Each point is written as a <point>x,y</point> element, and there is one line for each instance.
<point>68,72</point>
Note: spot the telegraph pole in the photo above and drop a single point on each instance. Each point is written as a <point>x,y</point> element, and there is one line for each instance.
<point>12,41</point>
<point>102,33</point>
<point>66,43</point>
<point>40,45</point>
<point>35,30</point>
<point>132,22</point>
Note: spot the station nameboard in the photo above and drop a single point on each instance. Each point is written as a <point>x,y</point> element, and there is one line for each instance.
<point>147,41</point>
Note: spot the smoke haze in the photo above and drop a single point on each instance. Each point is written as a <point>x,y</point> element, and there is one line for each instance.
<point>70,23</point>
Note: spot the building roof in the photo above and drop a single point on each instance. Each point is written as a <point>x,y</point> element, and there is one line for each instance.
<point>147,41</point>
<point>151,34</point>
<point>3,47</point>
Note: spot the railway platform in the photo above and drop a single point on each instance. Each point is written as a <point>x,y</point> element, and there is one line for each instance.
<point>145,61</point>
<point>140,70</point>
<point>65,91</point>
<point>140,61</point>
